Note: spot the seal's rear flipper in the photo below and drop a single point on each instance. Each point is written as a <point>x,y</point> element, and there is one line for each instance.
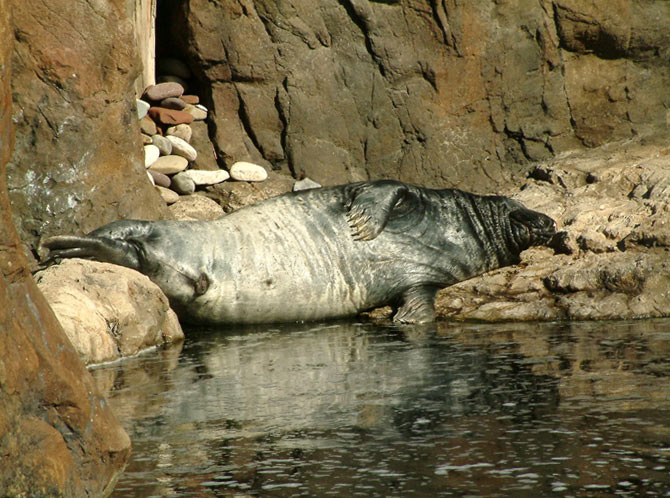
<point>418,306</point>
<point>119,252</point>
<point>370,205</point>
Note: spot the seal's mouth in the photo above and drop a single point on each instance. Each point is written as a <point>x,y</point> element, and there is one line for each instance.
<point>537,227</point>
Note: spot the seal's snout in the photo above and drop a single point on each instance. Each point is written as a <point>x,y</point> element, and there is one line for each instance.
<point>540,227</point>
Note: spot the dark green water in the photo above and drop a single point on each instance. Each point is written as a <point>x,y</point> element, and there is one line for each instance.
<point>351,409</point>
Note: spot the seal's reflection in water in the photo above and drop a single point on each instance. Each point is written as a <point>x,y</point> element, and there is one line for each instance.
<point>348,408</point>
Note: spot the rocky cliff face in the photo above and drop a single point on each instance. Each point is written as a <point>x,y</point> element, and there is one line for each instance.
<point>77,163</point>
<point>441,93</point>
<point>58,437</point>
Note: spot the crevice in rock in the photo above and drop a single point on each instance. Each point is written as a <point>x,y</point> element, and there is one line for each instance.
<point>284,118</point>
<point>360,23</point>
<point>246,121</point>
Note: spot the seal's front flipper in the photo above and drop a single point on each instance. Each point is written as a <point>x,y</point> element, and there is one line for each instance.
<point>418,306</point>
<point>102,249</point>
<point>371,204</point>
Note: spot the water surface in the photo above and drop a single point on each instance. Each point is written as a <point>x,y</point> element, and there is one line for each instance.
<point>359,409</point>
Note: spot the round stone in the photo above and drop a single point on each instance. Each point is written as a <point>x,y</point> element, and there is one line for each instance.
<point>197,113</point>
<point>173,103</point>
<point>202,177</point>
<point>248,172</point>
<point>148,126</point>
<point>153,182</point>
<point>164,90</point>
<point>169,196</point>
<point>151,154</point>
<point>182,148</point>
<point>169,165</point>
<point>142,108</point>
<point>159,178</point>
<point>163,144</point>
<point>146,139</point>
<point>171,78</point>
<point>182,131</point>
<point>182,184</point>
<point>191,99</point>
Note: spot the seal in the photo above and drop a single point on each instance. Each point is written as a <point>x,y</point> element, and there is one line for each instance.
<point>320,253</point>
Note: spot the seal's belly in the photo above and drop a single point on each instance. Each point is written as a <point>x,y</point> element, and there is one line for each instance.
<point>283,264</point>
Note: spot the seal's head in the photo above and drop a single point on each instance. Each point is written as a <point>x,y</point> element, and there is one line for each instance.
<point>531,228</point>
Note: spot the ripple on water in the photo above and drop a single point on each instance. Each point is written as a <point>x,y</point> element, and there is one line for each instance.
<point>355,409</point>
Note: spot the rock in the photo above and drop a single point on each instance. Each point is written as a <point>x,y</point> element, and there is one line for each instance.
<point>163,144</point>
<point>182,131</point>
<point>58,435</point>
<point>305,184</point>
<point>108,311</point>
<point>170,65</point>
<point>610,261</point>
<point>159,178</point>
<point>170,117</point>
<point>182,148</point>
<point>75,122</point>
<point>156,93</point>
<point>148,126</point>
<point>142,108</point>
<point>151,154</point>
<point>195,207</point>
<point>231,196</point>
<point>151,178</point>
<point>207,158</point>
<point>203,177</point>
<point>199,113</point>
<point>182,184</point>
<point>169,196</point>
<point>438,99</point>
<point>191,99</point>
<point>173,103</point>
<point>169,165</point>
<point>146,139</point>
<point>172,79</point>
<point>247,172</point>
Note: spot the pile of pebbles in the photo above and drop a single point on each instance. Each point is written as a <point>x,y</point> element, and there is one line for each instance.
<point>165,113</point>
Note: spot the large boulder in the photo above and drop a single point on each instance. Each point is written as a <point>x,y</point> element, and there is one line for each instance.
<point>611,260</point>
<point>437,93</point>
<point>78,161</point>
<point>58,437</point>
<point>107,311</point>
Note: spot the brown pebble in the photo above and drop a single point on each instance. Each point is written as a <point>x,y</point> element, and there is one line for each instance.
<point>191,99</point>
<point>170,117</point>
<point>147,126</point>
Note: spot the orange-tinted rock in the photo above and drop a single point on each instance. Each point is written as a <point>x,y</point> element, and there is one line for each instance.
<point>77,162</point>
<point>170,117</point>
<point>58,437</point>
<point>191,99</point>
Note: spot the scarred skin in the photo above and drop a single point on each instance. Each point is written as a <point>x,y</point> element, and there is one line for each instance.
<point>321,253</point>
